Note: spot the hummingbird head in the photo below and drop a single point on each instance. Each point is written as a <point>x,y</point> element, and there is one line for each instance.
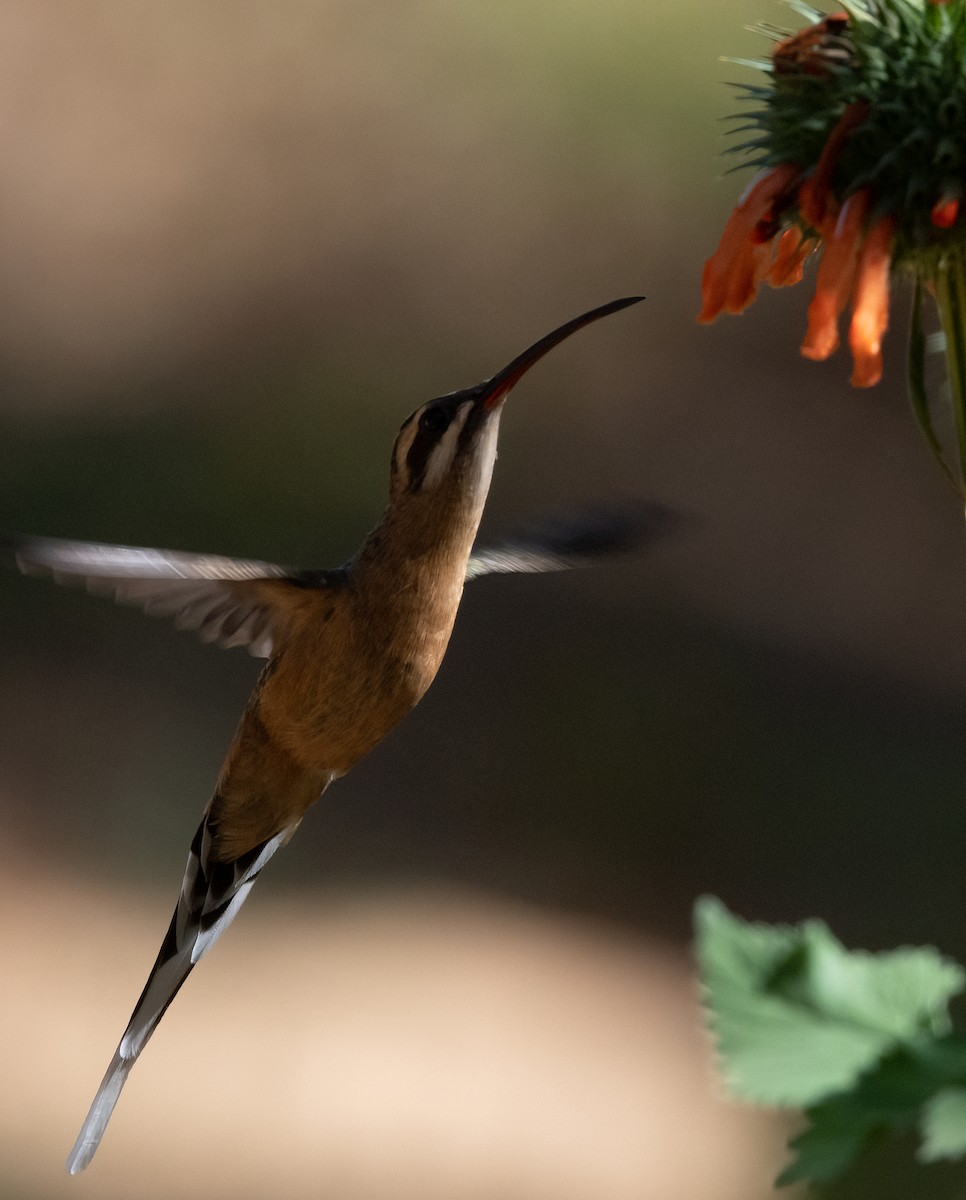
<point>448,445</point>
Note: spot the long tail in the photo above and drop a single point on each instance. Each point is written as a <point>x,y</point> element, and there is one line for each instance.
<point>211,894</point>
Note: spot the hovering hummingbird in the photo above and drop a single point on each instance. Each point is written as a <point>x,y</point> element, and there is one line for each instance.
<point>350,651</point>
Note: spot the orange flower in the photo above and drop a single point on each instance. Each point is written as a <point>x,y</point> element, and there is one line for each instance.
<point>859,123</point>
<point>855,265</point>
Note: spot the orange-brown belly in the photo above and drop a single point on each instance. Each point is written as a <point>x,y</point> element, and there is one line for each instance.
<point>331,698</point>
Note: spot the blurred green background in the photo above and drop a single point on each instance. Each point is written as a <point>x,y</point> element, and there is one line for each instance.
<point>240,242</point>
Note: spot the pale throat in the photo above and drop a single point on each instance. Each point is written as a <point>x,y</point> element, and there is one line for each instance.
<point>481,469</point>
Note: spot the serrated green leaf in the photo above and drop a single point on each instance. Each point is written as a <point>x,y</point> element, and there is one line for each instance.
<point>897,993</point>
<point>889,1097</point>
<point>825,1150</point>
<point>943,1126</point>
<point>798,1018</point>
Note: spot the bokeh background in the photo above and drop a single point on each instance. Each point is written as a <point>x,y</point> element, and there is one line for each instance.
<point>239,243</point>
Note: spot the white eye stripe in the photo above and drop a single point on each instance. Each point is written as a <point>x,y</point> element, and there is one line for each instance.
<point>443,453</point>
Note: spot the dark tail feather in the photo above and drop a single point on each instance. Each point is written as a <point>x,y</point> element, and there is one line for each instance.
<point>211,895</point>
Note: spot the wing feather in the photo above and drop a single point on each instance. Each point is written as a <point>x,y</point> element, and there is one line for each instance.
<point>229,601</point>
<point>576,539</point>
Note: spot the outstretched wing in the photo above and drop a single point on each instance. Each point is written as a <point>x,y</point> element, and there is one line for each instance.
<point>576,539</point>
<point>231,601</point>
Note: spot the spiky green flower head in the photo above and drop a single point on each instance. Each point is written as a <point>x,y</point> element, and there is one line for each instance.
<point>890,77</point>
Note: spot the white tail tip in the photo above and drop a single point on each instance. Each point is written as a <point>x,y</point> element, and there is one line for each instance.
<point>93,1128</point>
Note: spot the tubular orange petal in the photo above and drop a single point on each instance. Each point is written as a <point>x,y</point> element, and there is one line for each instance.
<point>716,276</point>
<point>793,250</point>
<point>945,212</point>
<point>835,277</point>
<point>817,189</point>
<point>747,272</point>
<point>821,217</point>
<point>796,268</point>
<point>731,275</point>
<point>788,245</point>
<point>822,336</point>
<point>870,315</point>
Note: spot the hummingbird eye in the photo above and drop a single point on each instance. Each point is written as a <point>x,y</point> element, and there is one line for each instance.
<point>435,419</point>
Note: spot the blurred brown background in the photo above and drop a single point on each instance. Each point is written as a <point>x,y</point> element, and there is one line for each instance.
<point>239,243</point>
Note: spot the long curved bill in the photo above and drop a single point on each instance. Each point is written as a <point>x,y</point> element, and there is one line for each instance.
<point>495,390</point>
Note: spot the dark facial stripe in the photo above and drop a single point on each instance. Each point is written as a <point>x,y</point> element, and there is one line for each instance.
<point>417,460</point>
<point>426,441</point>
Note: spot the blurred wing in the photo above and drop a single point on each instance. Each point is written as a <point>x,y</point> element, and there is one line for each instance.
<point>576,539</point>
<point>230,601</point>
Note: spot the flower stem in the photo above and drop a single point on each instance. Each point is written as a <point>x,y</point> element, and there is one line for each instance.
<point>951,302</point>
<point>918,392</point>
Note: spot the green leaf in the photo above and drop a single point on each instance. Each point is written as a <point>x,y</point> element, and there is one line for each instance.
<point>944,1125</point>
<point>943,1058</point>
<point>830,1145</point>
<point>861,1041</point>
<point>890,1096</point>
<point>798,1018</point>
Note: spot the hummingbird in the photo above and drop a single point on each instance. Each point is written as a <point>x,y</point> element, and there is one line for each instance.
<point>350,651</point>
